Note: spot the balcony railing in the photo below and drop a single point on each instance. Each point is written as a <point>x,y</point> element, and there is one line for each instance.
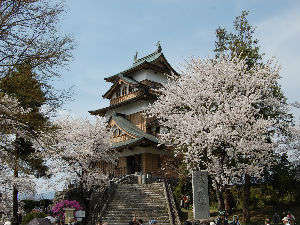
<point>124,98</point>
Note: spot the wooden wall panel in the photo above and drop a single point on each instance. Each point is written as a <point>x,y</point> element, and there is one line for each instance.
<point>138,120</point>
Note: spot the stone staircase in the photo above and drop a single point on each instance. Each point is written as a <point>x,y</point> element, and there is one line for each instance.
<point>146,202</point>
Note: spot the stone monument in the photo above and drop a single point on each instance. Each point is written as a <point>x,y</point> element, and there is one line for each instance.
<point>200,195</point>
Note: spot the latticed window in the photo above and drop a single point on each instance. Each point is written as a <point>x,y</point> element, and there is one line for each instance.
<point>124,90</point>
<point>116,131</point>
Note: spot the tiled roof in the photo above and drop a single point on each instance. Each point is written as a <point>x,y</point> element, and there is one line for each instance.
<point>141,96</point>
<point>127,79</point>
<point>132,129</point>
<point>148,58</point>
<point>126,143</point>
<point>142,61</point>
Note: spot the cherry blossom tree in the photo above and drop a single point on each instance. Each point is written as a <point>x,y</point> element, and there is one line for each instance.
<point>10,111</point>
<point>212,117</point>
<point>14,176</point>
<point>80,146</point>
<point>25,184</point>
<point>293,143</point>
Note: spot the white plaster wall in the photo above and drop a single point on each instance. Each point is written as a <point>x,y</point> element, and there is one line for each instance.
<point>149,75</point>
<point>131,108</point>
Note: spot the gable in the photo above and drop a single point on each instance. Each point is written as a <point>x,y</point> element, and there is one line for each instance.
<point>120,88</point>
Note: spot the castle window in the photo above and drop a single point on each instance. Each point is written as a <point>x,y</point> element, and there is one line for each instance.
<point>124,90</point>
<point>116,131</point>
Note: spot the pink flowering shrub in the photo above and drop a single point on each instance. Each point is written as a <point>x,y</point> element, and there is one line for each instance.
<point>58,209</point>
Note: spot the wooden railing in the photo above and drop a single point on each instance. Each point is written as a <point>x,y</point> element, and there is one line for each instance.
<point>124,97</point>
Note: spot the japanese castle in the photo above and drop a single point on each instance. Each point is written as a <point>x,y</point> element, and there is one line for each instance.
<point>135,136</point>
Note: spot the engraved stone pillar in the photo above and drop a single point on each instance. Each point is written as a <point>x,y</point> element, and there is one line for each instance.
<point>200,195</point>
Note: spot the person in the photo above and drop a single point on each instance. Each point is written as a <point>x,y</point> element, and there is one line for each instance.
<point>99,222</point>
<point>285,221</point>
<point>236,220</point>
<point>186,201</point>
<point>181,203</point>
<point>267,221</point>
<point>105,223</point>
<point>152,222</point>
<point>276,218</point>
<point>291,218</point>
<point>140,221</point>
<point>134,221</point>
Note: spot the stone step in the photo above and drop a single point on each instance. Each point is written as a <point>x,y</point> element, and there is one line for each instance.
<point>140,195</point>
<point>126,223</point>
<point>136,196</point>
<point>137,205</point>
<point>129,193</point>
<point>142,185</point>
<point>142,214</point>
<point>136,212</point>
<point>135,200</point>
<point>141,191</point>
<point>146,202</point>
<point>114,222</point>
<point>128,210</point>
<point>130,216</point>
<point>160,187</point>
<point>120,193</point>
<point>146,219</point>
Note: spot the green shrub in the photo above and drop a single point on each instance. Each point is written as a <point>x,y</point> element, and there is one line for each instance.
<point>30,216</point>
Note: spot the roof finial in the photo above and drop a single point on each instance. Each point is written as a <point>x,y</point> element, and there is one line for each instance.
<point>158,46</point>
<point>135,56</point>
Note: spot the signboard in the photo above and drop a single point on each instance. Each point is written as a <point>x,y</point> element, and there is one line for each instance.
<point>80,214</point>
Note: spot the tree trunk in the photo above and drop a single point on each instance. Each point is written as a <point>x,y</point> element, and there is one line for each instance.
<point>15,196</point>
<point>228,200</point>
<point>15,220</point>
<point>246,199</point>
<point>221,205</point>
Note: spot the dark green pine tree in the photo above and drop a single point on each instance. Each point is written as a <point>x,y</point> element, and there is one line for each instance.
<point>23,84</point>
<point>241,42</point>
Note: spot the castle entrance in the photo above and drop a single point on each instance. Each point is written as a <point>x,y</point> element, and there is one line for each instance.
<point>134,164</point>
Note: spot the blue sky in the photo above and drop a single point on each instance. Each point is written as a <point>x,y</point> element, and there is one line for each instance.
<point>108,33</point>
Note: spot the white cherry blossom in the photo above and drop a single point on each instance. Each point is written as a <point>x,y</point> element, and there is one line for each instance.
<point>212,116</point>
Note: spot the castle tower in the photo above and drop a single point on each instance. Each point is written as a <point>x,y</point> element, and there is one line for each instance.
<point>134,136</point>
